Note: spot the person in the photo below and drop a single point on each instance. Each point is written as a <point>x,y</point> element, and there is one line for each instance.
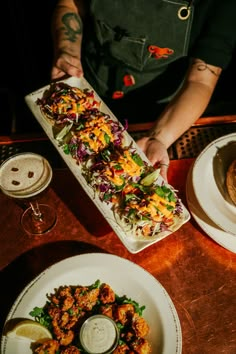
<point>150,60</point>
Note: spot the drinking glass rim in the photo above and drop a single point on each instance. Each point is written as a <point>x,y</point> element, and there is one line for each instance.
<point>45,162</point>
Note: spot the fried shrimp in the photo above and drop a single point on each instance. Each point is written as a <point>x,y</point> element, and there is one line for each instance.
<point>139,326</point>
<point>69,306</point>
<point>122,349</point>
<point>71,350</point>
<point>86,298</point>
<point>107,310</point>
<point>141,346</point>
<point>107,295</point>
<point>124,313</point>
<point>64,337</point>
<point>64,298</point>
<point>51,346</point>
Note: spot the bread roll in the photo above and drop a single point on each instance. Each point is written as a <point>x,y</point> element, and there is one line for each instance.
<point>231,181</point>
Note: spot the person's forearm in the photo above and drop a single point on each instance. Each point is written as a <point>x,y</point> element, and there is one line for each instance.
<point>181,113</point>
<point>187,106</point>
<point>67,27</point>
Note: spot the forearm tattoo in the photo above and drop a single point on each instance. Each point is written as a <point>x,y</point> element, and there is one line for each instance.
<point>201,66</point>
<point>72,26</point>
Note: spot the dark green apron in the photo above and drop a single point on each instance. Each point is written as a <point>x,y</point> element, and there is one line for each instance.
<point>131,43</point>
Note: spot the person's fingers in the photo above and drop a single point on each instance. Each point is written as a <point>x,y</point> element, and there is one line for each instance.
<point>66,65</point>
<point>164,170</point>
<point>156,153</point>
<point>164,164</point>
<point>56,73</point>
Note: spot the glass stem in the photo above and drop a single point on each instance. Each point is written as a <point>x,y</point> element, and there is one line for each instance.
<point>36,211</point>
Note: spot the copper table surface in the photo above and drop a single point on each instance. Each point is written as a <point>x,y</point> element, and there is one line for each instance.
<point>198,274</point>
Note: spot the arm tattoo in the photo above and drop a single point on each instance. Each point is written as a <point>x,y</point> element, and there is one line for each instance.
<point>201,66</point>
<point>72,26</point>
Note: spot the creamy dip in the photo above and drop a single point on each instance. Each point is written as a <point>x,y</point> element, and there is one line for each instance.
<point>99,335</point>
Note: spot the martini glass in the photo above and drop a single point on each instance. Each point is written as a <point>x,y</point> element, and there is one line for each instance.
<point>24,177</point>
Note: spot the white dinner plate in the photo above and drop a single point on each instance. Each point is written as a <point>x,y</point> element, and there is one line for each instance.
<point>125,278</point>
<point>223,238</point>
<point>130,241</point>
<point>211,196</point>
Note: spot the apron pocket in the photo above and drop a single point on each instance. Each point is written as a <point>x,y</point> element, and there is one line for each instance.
<point>126,49</point>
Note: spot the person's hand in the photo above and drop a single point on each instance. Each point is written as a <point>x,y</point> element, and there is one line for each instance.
<point>156,152</point>
<point>66,65</point>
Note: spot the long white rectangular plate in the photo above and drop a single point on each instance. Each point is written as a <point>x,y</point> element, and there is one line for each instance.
<point>133,244</point>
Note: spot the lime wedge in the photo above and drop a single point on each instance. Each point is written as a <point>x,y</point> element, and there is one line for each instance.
<point>61,135</point>
<point>151,178</point>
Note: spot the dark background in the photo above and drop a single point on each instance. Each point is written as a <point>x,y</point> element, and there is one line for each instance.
<point>26,59</point>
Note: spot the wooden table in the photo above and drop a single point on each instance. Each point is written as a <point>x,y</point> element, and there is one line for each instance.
<point>198,274</point>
